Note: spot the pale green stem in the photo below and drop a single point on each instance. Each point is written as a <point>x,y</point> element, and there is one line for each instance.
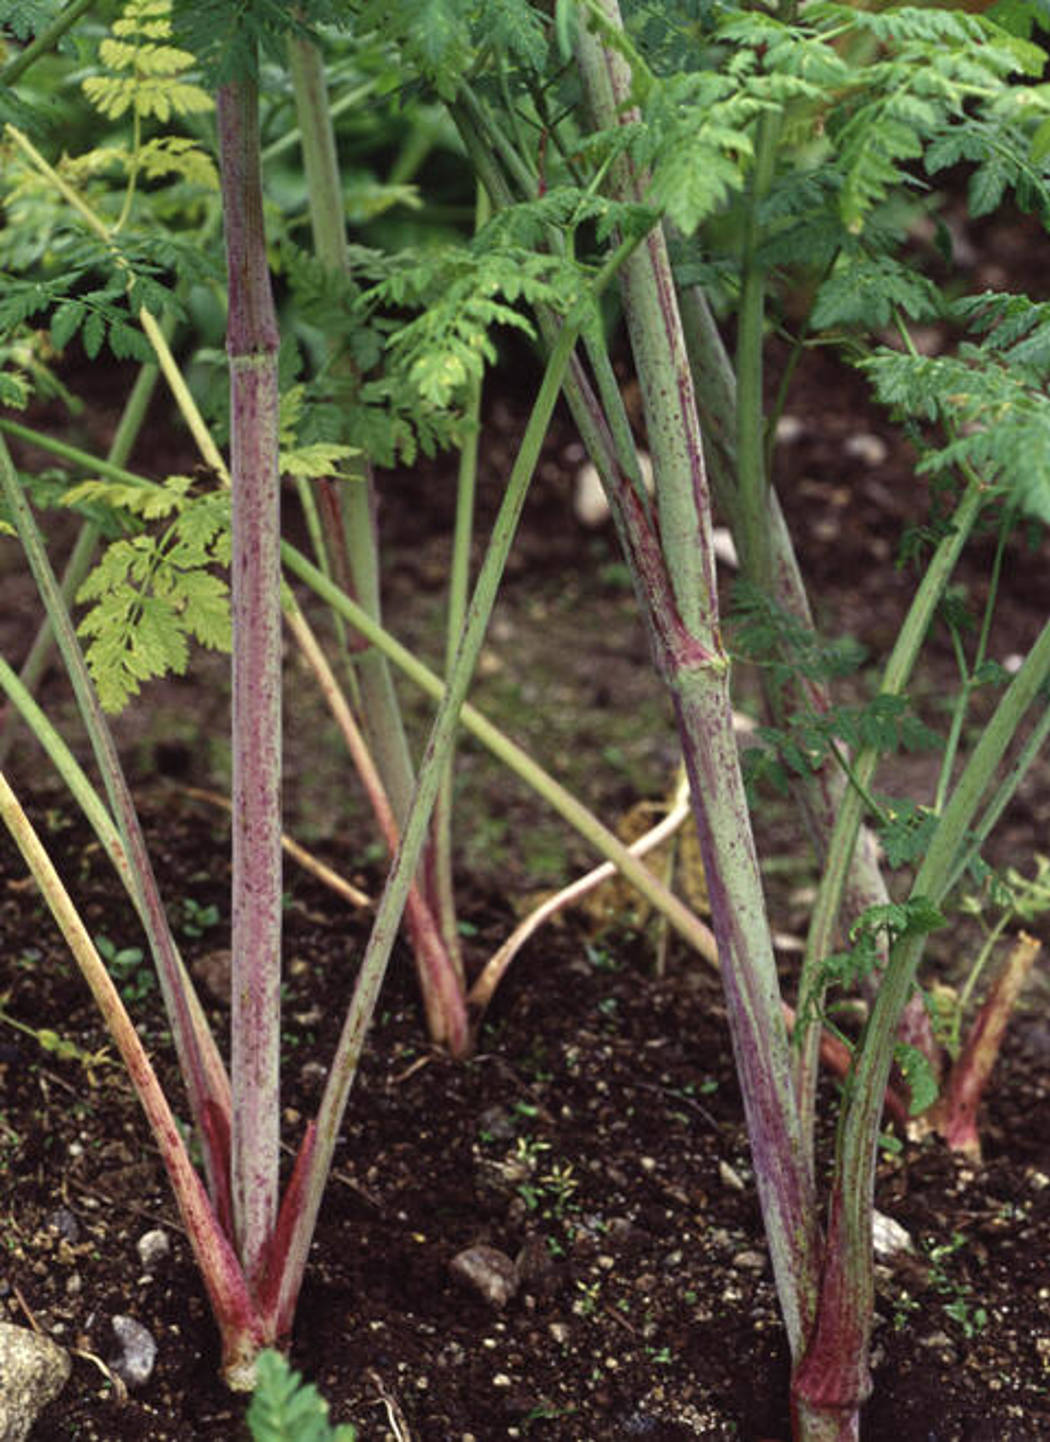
<point>391,905</point>
<point>506,751</point>
<point>79,563</point>
<point>67,766</point>
<point>845,1309</point>
<point>383,722</point>
<point>820,940</point>
<point>384,727</point>
<point>753,482</point>
<point>969,684</point>
<point>458,595</point>
<point>679,583</point>
<point>202,1068</point>
<point>1015,773</point>
<point>42,43</point>
<point>243,1329</point>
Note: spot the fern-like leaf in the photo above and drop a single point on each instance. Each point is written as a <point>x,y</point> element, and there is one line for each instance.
<point>286,1409</point>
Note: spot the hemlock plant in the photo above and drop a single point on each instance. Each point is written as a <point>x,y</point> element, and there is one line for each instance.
<point>701,161</point>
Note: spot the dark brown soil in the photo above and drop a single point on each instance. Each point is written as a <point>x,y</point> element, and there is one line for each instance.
<point>597,1135</point>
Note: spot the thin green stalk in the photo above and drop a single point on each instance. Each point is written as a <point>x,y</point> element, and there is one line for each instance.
<point>234,1309</point>
<point>202,1068</point>
<point>384,727</point>
<point>391,905</point>
<point>752,478</point>
<point>252,343</point>
<point>518,761</point>
<point>131,421</point>
<point>383,722</point>
<point>678,577</point>
<point>845,1309</point>
<point>820,940</point>
<point>456,607</point>
<point>45,41</point>
<point>1001,797</point>
<point>76,780</point>
<point>506,751</point>
<point>969,674</point>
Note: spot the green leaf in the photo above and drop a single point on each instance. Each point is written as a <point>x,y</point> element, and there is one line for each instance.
<point>286,1409</point>
<point>920,1076</point>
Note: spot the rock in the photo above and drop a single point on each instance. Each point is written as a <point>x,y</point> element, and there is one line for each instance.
<point>65,1224</point>
<point>214,972</point>
<point>749,1261</point>
<point>487,1271</point>
<point>153,1246</point>
<point>34,1370</point>
<point>888,1237</point>
<point>138,1351</point>
<point>730,1177</point>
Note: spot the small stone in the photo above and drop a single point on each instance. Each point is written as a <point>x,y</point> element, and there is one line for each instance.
<point>214,972</point>
<point>313,1075</point>
<point>749,1262</point>
<point>487,1271</point>
<point>888,1237</point>
<point>34,1370</point>
<point>789,430</point>
<point>153,1247</point>
<point>138,1351</point>
<point>65,1224</point>
<point>560,1331</point>
<point>870,449</point>
<point>730,1178</point>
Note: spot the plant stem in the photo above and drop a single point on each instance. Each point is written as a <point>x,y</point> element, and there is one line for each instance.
<point>384,726</point>
<point>677,577</point>
<point>67,766</point>
<point>252,343</point>
<point>202,1069</point>
<point>131,421</point>
<point>43,42</point>
<point>819,943</point>
<point>605,842</point>
<point>834,1372</point>
<point>383,723</point>
<point>241,1326</point>
<point>380,944</point>
<point>753,482</point>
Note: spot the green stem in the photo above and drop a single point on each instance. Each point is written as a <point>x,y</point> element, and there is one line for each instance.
<point>391,905</point>
<point>752,478</point>
<point>79,563</point>
<point>67,766</point>
<point>382,715</point>
<point>383,722</point>
<point>42,43</point>
<point>203,1072</point>
<point>677,576</point>
<point>458,595</point>
<point>847,1292</point>
<point>1015,773</point>
<point>506,751</point>
<point>820,940</point>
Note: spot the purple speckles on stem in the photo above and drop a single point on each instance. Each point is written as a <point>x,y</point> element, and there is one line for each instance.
<point>252,340</point>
